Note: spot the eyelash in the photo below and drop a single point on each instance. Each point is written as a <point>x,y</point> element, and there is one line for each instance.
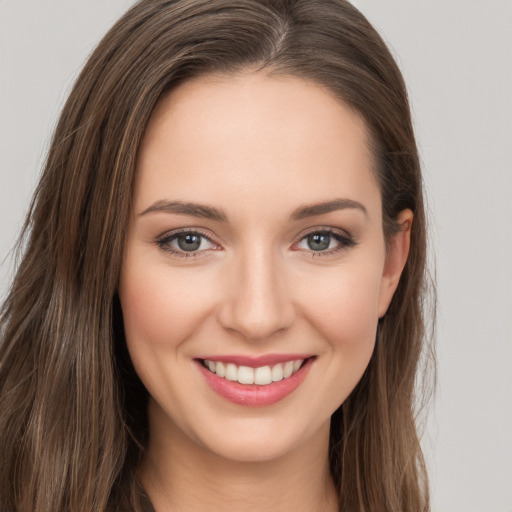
<point>344,240</point>
<point>164,242</point>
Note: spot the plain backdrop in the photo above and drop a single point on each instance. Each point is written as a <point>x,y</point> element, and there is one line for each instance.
<point>456,56</point>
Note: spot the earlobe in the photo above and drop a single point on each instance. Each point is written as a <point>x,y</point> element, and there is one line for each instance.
<point>398,251</point>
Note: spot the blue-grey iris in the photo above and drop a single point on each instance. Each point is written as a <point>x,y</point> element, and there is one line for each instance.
<point>319,241</point>
<point>189,242</point>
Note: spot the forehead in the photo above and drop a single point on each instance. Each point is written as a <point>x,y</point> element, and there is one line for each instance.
<point>253,135</point>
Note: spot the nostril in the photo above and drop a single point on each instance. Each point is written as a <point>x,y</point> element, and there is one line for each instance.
<point>256,319</point>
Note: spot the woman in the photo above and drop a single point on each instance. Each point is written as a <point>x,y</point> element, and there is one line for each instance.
<point>220,301</point>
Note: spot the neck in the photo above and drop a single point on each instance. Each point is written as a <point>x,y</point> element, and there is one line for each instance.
<point>181,475</point>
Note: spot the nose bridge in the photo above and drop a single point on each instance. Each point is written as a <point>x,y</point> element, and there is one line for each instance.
<point>259,303</point>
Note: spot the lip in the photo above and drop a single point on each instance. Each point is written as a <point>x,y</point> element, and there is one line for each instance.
<point>253,395</point>
<point>255,362</point>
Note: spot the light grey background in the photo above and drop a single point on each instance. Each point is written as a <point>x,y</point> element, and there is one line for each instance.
<point>457,59</point>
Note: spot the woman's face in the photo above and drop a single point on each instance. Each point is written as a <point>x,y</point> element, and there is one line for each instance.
<point>255,242</point>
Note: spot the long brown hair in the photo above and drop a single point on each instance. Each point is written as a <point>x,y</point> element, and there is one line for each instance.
<point>72,410</point>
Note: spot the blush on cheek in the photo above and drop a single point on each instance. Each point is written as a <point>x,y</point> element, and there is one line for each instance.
<point>161,306</point>
<point>145,307</point>
<point>346,309</point>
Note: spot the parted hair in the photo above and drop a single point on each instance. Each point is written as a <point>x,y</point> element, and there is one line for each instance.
<point>73,423</point>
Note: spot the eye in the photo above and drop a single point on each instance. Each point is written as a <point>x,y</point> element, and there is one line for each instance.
<point>185,243</point>
<point>325,241</point>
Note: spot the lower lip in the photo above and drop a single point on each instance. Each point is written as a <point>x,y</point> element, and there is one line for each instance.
<point>253,395</point>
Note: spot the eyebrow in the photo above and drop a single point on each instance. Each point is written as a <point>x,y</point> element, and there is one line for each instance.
<point>327,207</point>
<point>183,208</point>
<point>213,213</point>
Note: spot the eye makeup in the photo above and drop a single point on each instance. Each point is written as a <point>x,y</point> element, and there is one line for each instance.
<point>186,243</point>
<point>194,243</point>
<point>324,241</point>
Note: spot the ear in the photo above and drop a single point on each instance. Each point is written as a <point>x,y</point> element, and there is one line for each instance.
<point>396,257</point>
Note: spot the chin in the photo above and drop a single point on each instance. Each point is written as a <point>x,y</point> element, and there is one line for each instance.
<point>256,448</point>
<point>260,440</point>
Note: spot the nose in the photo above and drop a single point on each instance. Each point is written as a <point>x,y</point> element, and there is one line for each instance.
<point>258,303</point>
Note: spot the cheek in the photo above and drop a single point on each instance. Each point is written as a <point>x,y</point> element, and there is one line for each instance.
<point>160,307</point>
<point>345,308</point>
<point>342,309</point>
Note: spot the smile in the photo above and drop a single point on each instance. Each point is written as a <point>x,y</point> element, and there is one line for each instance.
<point>261,376</point>
<point>253,383</point>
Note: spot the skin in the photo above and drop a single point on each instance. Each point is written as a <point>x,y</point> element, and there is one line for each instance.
<point>257,148</point>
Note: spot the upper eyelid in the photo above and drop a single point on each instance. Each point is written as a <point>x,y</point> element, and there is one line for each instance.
<point>180,231</point>
<point>206,234</point>
<point>317,229</point>
<point>164,240</point>
<point>325,229</point>
<point>169,236</point>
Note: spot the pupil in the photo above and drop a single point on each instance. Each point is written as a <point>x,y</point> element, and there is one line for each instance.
<point>189,242</point>
<point>319,241</point>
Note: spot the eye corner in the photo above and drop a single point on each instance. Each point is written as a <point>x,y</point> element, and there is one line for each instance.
<point>337,241</point>
<point>168,242</point>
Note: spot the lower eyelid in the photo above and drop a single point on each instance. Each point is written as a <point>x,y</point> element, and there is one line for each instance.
<point>344,239</point>
<point>164,243</point>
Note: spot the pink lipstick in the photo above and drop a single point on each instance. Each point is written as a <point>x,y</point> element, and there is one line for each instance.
<point>255,381</point>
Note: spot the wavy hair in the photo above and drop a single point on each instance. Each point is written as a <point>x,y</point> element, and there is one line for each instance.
<point>72,410</point>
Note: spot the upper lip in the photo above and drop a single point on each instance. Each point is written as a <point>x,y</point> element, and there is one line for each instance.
<point>256,361</point>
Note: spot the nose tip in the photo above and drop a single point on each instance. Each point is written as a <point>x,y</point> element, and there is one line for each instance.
<point>258,304</point>
<point>254,319</point>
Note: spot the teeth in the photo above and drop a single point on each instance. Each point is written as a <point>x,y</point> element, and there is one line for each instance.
<point>219,369</point>
<point>288,369</point>
<point>231,372</point>
<point>261,376</point>
<point>245,375</point>
<point>277,372</point>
